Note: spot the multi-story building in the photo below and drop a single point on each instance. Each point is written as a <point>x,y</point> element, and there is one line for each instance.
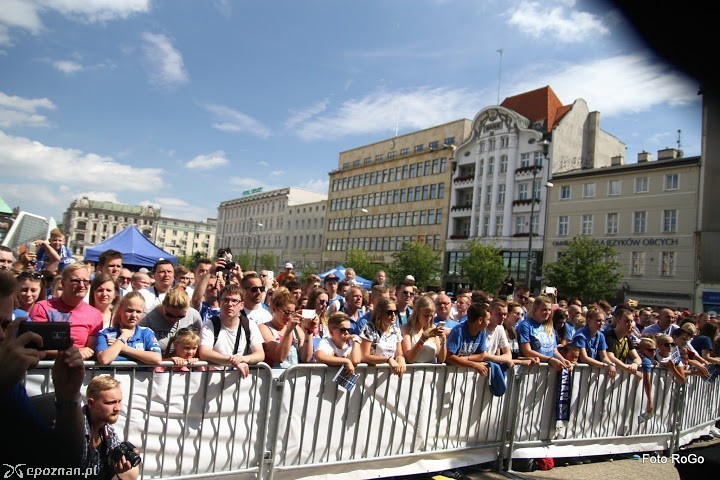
<point>499,182</point>
<point>647,211</point>
<point>185,237</point>
<point>260,222</point>
<point>88,222</point>
<point>390,192</point>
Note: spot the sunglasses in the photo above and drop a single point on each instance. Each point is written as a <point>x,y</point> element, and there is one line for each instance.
<point>176,317</point>
<point>408,293</point>
<point>669,344</point>
<point>344,330</point>
<point>391,313</point>
<point>30,275</point>
<point>287,312</point>
<point>262,276</point>
<point>257,289</point>
<point>125,279</point>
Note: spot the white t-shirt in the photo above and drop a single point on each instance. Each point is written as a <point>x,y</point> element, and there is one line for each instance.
<point>259,315</point>
<point>152,297</point>
<point>497,339</point>
<point>327,346</point>
<point>226,338</point>
<point>383,344</point>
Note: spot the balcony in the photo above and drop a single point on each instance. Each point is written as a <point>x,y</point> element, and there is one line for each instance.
<point>528,169</point>
<point>459,208</point>
<point>459,236</point>
<point>524,201</point>
<point>464,179</point>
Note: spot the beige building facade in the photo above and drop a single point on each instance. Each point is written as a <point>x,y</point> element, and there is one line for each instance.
<point>647,211</point>
<point>88,222</point>
<point>261,222</point>
<point>389,192</point>
<point>185,237</point>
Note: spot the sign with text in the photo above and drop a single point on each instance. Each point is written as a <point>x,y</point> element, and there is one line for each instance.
<point>254,190</point>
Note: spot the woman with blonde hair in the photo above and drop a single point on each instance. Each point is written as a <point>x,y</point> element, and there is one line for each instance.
<point>537,335</point>
<point>422,341</point>
<point>381,338</point>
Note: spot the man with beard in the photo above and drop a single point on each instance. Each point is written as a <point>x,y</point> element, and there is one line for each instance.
<point>104,399</point>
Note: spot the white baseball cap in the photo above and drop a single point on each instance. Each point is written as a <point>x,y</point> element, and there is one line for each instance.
<point>288,265</point>
<point>410,277</point>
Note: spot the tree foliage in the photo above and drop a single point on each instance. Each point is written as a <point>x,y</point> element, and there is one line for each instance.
<point>483,266</point>
<point>418,260</point>
<point>267,261</point>
<point>360,261</point>
<point>585,269</point>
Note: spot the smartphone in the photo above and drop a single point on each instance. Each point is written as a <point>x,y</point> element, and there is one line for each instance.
<point>308,313</point>
<point>55,335</point>
<point>31,247</point>
<point>441,324</point>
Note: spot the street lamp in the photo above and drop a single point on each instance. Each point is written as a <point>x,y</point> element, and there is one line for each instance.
<point>528,267</point>
<point>352,211</point>
<point>257,244</point>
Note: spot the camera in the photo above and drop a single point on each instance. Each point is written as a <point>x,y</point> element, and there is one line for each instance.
<point>127,450</point>
<point>55,335</point>
<point>226,254</point>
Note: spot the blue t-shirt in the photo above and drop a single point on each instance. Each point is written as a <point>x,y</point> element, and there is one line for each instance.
<point>449,323</point>
<point>533,332</point>
<point>461,343</point>
<point>143,339</point>
<point>646,363</point>
<point>592,345</point>
<point>43,257</point>
<point>358,325</point>
<point>702,343</point>
<point>206,311</point>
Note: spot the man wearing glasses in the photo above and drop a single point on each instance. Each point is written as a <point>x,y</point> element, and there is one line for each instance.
<point>85,321</point>
<point>232,340</point>
<point>170,316</point>
<point>254,291</point>
<point>443,307</point>
<point>405,298</point>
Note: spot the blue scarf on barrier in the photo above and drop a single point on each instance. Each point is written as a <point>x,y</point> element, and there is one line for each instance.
<point>496,378</point>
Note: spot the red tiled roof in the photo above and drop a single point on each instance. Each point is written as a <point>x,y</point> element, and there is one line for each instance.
<point>537,105</point>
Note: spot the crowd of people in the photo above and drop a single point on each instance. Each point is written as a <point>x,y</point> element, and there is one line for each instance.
<point>219,314</point>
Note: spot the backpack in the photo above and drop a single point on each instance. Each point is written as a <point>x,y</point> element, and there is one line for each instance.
<point>244,325</point>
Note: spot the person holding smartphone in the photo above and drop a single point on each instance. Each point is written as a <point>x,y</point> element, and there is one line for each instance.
<point>284,339</point>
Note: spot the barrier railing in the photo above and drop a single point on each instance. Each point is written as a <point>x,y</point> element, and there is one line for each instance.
<point>296,423</point>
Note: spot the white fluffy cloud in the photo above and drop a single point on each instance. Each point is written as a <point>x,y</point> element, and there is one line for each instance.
<point>229,120</point>
<point>209,161</point>
<point>164,62</point>
<point>68,67</point>
<point>561,22</point>
<point>20,156</point>
<point>17,111</point>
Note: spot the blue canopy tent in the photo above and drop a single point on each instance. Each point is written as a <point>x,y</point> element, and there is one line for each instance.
<point>340,272</point>
<point>137,250</point>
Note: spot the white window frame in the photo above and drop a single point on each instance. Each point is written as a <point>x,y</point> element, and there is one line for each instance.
<point>586,224</point>
<point>670,221</point>
<point>668,260</point>
<point>611,191</point>
<point>588,190</point>
<point>611,223</point>
<point>565,189</point>
<point>673,178</point>
<point>637,217</point>
<point>563,225</point>
<point>637,264</point>
<point>642,185</point>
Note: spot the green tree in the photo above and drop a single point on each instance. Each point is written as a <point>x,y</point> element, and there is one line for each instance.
<point>245,260</point>
<point>418,260</point>
<point>267,261</point>
<point>360,261</point>
<point>585,269</point>
<point>483,266</point>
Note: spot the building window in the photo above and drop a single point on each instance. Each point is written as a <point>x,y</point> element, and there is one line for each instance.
<point>639,222</point>
<point>501,194</point>
<point>491,144</point>
<point>434,145</point>
<point>614,187</point>
<point>498,225</point>
<point>523,191</point>
<point>642,185</point>
<point>588,190</point>
<point>637,263</point>
<point>586,225</point>
<point>486,226</point>
<point>481,147</point>
<point>563,225</point>
<point>404,151</point>
<point>378,158</point>
<point>346,165</point>
<point>449,141</point>
<point>669,221</point>
<point>356,163</point>
<point>503,163</point>
<point>491,165</point>
<point>565,192</point>
<point>418,148</point>
<point>667,265</point>
<point>504,142</point>
<point>672,181</point>
<point>391,155</point>
<point>520,224</point>
<point>612,224</point>
<point>525,160</point>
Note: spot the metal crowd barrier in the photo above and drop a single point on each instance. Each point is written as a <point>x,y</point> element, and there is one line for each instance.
<point>298,423</point>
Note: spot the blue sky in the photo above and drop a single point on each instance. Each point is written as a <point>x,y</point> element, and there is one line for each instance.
<point>183,104</point>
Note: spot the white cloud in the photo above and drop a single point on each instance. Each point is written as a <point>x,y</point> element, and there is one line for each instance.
<point>320,186</point>
<point>277,173</point>
<point>18,111</point>
<point>381,111</point>
<point>537,19</point>
<point>614,85</point>
<point>164,61</point>
<point>209,161</point>
<point>98,196</point>
<point>224,7</point>
<point>229,120</point>
<point>178,208</point>
<point>19,155</point>
<point>68,67</point>
<point>245,183</point>
<point>25,14</point>
<point>299,116</point>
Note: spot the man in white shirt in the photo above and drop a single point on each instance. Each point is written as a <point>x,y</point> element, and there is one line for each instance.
<point>497,345</point>
<point>228,344</point>
<point>254,291</point>
<point>164,275</point>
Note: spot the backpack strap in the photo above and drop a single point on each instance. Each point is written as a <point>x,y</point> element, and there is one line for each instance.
<point>244,325</point>
<point>217,326</point>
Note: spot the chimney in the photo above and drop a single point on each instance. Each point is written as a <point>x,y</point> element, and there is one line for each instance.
<point>669,154</point>
<point>617,160</point>
<point>644,157</point>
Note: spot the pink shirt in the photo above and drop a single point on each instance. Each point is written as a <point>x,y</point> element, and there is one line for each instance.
<point>85,321</point>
